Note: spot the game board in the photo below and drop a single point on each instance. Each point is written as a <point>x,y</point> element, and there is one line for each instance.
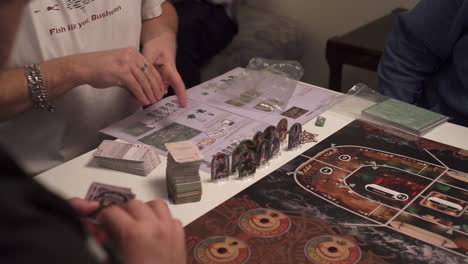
<point>360,196</point>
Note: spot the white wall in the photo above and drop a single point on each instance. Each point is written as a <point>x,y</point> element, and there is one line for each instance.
<point>322,19</point>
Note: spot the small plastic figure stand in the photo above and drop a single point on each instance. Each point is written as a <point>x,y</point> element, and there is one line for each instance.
<point>268,132</point>
<point>257,139</point>
<point>333,147</point>
<point>262,153</point>
<point>247,166</point>
<point>220,167</point>
<point>282,129</point>
<point>275,146</point>
<point>235,158</point>
<point>294,139</point>
<point>249,145</point>
<point>374,165</point>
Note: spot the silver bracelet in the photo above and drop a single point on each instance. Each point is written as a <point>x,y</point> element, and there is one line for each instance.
<point>37,89</point>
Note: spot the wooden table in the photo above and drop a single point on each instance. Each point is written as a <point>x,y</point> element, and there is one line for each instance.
<point>361,47</point>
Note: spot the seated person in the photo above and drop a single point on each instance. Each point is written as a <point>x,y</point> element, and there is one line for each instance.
<point>424,62</point>
<point>39,227</point>
<point>71,50</point>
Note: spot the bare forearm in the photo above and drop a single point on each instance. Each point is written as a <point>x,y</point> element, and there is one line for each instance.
<point>59,75</point>
<point>166,23</point>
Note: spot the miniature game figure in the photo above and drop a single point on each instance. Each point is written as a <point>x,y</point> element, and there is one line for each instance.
<point>262,154</point>
<point>282,129</point>
<point>268,132</point>
<point>219,166</point>
<point>247,164</point>
<point>248,145</point>
<point>275,146</point>
<point>294,139</point>
<point>235,158</point>
<point>257,139</point>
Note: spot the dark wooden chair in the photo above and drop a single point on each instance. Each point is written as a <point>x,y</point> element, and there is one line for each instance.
<point>361,47</point>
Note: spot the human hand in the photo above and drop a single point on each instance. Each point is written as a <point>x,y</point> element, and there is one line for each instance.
<point>121,67</point>
<point>161,52</point>
<point>145,232</point>
<point>83,207</point>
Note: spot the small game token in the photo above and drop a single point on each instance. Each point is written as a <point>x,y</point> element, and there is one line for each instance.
<point>320,121</point>
<point>294,136</point>
<point>307,137</point>
<point>282,129</point>
<point>247,164</point>
<point>220,166</point>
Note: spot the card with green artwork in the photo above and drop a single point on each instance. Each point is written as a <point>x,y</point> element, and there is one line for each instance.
<point>404,116</point>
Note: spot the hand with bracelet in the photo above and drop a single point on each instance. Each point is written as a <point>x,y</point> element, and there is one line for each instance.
<point>125,67</point>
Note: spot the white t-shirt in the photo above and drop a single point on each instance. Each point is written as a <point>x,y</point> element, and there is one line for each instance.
<point>40,140</point>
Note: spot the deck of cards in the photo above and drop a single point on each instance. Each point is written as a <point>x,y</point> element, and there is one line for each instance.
<point>131,158</point>
<point>182,176</point>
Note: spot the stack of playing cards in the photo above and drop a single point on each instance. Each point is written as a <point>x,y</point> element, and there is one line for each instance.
<point>131,158</point>
<point>182,177</point>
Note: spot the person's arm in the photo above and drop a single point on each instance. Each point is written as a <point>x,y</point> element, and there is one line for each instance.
<point>421,41</point>
<point>159,40</point>
<point>119,67</point>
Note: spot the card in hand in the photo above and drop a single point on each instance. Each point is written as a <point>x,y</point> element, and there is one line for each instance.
<point>108,194</point>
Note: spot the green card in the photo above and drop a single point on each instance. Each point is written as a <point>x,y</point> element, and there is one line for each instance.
<point>404,115</point>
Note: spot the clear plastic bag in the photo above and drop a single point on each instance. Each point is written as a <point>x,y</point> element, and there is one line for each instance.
<point>265,85</point>
<point>365,104</point>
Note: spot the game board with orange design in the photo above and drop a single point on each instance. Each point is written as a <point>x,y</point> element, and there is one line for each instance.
<point>362,195</point>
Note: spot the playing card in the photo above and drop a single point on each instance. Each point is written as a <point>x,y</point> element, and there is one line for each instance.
<point>108,194</point>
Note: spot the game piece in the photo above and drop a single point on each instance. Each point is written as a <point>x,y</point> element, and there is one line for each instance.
<point>268,133</point>
<point>257,139</point>
<point>282,129</point>
<point>262,153</point>
<point>235,158</point>
<point>248,144</point>
<point>131,158</point>
<point>182,176</point>
<point>275,145</point>
<point>247,164</point>
<point>294,136</point>
<point>320,121</point>
<point>220,166</point>
<point>307,137</point>
<point>374,165</point>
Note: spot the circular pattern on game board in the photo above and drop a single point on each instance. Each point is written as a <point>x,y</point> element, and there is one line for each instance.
<point>264,222</point>
<point>222,249</point>
<point>344,157</point>
<point>326,170</point>
<point>332,249</point>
